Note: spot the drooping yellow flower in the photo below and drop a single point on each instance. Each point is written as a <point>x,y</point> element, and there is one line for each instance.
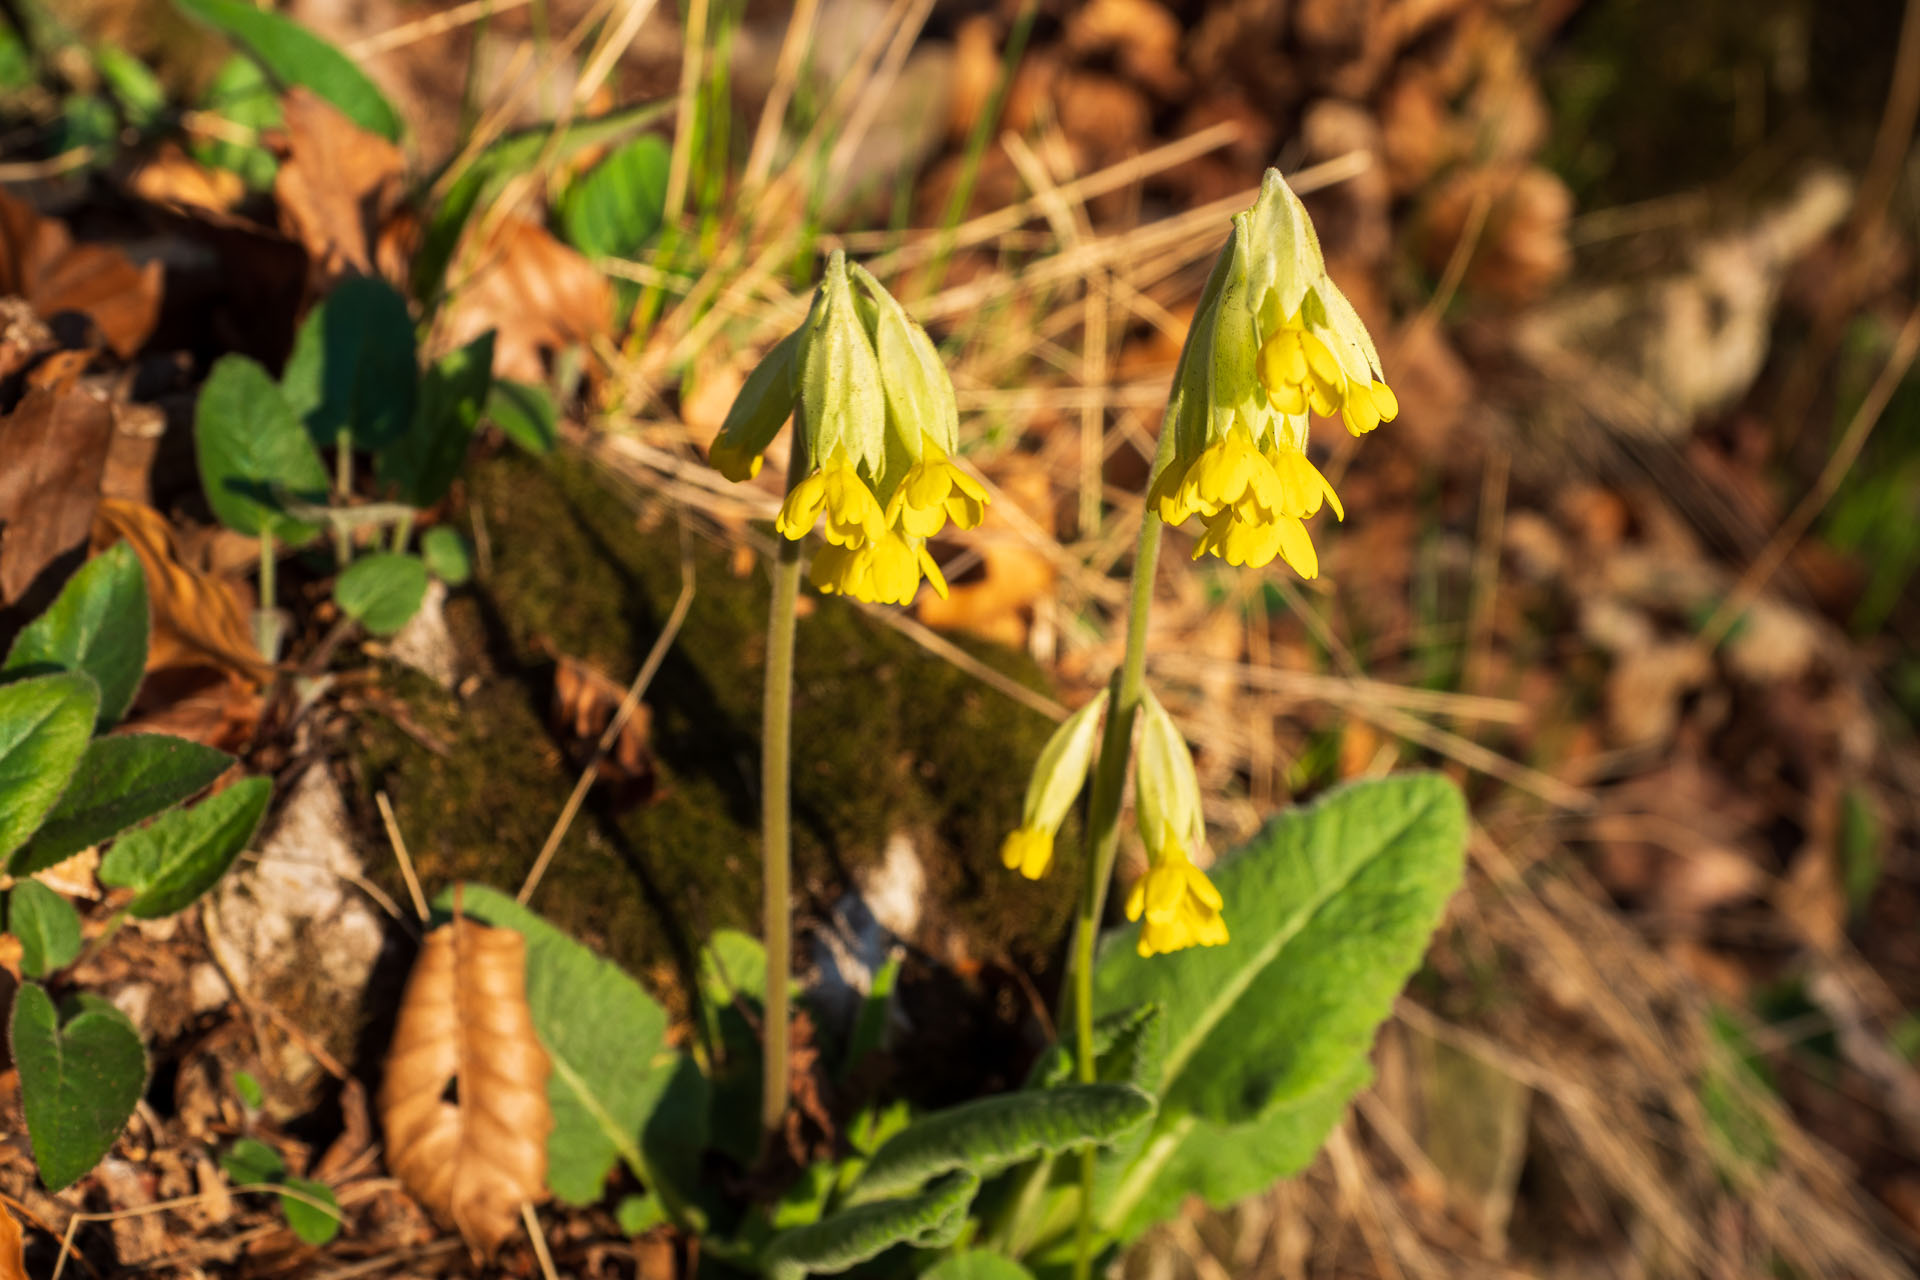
<point>1231,472</point>
<point>854,515</point>
<point>935,490</point>
<point>1180,906</point>
<point>734,459</point>
<point>1369,406</point>
<point>1300,372</point>
<point>1302,487</point>
<point>885,570</point>
<point>1028,850</point>
<point>1255,542</point>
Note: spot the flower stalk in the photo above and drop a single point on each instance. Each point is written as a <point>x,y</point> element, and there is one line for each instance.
<point>776,833</point>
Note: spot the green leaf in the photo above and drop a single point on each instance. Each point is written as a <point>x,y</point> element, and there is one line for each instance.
<point>383,591</point>
<point>313,1224</point>
<point>499,164</point>
<point>419,466</point>
<point>876,1008</point>
<point>1223,1164</point>
<point>45,722</point>
<point>988,1135</point>
<point>142,99</point>
<point>121,780</point>
<point>354,367</point>
<point>616,1091</point>
<point>292,55</point>
<point>47,926</point>
<point>252,449</point>
<point>86,120</point>
<point>446,556</point>
<point>251,1162</point>
<point>525,414</point>
<point>639,1214</point>
<point>1331,908</point>
<point>78,1083</point>
<point>616,207</point>
<point>978,1264</point>
<point>248,1089</point>
<point>97,625</point>
<point>933,1219</point>
<point>241,95</point>
<point>180,855</point>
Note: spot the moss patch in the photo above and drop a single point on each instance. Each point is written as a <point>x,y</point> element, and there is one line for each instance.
<point>887,739</point>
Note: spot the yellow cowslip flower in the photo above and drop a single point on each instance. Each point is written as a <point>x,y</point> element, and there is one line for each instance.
<point>1273,341</point>
<point>1058,776</point>
<point>884,570</point>
<point>1028,850</point>
<point>1254,543</point>
<point>854,515</point>
<point>934,491</point>
<point>734,459</point>
<point>1180,906</point>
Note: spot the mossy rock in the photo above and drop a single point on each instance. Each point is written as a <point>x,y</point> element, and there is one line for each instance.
<point>887,739</point>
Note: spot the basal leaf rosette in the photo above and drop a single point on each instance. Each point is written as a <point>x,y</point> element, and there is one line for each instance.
<point>878,427</point>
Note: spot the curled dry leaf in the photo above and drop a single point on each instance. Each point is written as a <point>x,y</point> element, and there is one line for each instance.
<point>40,261</point>
<point>535,293</point>
<point>13,1249</point>
<point>585,700</point>
<point>55,445</point>
<point>198,620</point>
<point>474,1154</point>
<point>340,190</point>
<point>173,177</point>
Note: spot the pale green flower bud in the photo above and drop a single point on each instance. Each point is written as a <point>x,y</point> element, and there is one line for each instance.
<point>763,406</point>
<point>845,410</point>
<point>1058,776</point>
<point>1166,791</point>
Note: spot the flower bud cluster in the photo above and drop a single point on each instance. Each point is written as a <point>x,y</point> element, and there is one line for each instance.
<point>878,426</point>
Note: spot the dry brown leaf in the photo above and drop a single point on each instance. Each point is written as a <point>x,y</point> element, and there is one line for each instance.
<point>174,177</point>
<point>534,292</point>
<point>464,1022</point>
<point>340,190</point>
<point>40,262</point>
<point>55,445</point>
<point>585,700</point>
<point>11,953</point>
<point>197,618</point>
<point>13,1249</point>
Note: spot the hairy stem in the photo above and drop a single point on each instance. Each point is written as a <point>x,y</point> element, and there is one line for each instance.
<point>775,803</point>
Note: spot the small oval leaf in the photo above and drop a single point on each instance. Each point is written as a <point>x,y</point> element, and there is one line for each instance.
<point>46,924</point>
<point>45,723</point>
<point>78,1082</point>
<point>122,779</point>
<point>382,592</point>
<point>97,625</point>
<point>177,857</point>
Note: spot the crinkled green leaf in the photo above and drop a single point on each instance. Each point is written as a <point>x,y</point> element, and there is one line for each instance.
<point>78,1082</point>
<point>988,1135</point>
<point>616,206</point>
<point>46,924</point>
<point>419,467</point>
<point>122,779</point>
<point>293,55</point>
<point>616,1090</point>
<point>179,855</point>
<point>97,625</point>
<point>1330,909</point>
<point>253,452</point>
<point>382,591</point>
<point>45,723</point>
<point>931,1220</point>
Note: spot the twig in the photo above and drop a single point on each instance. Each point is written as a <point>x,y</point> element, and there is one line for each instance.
<point>401,855</point>
<point>426,28</point>
<point>786,73</point>
<point>539,1240</point>
<point>655,657</point>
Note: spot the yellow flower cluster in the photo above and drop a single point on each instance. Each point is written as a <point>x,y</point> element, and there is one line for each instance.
<point>880,424</point>
<point>1180,906</point>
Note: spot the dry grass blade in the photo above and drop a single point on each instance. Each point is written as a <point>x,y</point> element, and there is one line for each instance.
<point>474,1157</point>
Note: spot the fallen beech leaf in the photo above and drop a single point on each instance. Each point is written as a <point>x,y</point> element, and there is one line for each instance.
<point>197,618</point>
<point>475,1158</point>
<point>40,262</point>
<point>55,444</point>
<point>338,189</point>
<point>13,1249</point>
<point>174,177</point>
<point>585,700</point>
<point>536,293</point>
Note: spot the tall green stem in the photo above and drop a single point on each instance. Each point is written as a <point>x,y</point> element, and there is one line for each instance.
<point>776,733</point>
<point>1103,829</point>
